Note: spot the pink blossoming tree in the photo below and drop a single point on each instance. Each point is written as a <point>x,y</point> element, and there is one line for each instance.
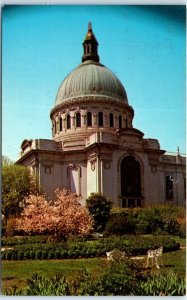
<point>63,217</point>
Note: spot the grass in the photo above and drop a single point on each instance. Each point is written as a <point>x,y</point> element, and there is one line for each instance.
<point>172,261</point>
<point>16,272</point>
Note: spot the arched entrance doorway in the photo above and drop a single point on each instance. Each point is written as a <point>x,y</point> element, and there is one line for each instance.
<point>130,182</point>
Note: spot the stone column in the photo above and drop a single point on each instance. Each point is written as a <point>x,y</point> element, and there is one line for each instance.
<point>63,124</point>
<point>98,175</point>
<point>72,121</point>
<point>94,120</point>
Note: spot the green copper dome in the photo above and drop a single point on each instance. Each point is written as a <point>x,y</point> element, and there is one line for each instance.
<point>91,78</point>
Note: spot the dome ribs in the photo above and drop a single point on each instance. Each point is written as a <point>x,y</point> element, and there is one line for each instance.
<point>91,79</point>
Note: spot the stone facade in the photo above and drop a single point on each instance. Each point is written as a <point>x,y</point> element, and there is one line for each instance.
<point>95,147</point>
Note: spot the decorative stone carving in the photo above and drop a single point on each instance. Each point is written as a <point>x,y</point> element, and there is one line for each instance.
<point>47,170</point>
<point>154,169</point>
<point>92,166</point>
<point>106,165</point>
<point>79,175</point>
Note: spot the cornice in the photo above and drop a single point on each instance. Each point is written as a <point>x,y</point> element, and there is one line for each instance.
<point>90,100</point>
<point>129,131</point>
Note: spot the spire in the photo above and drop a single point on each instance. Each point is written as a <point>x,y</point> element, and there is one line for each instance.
<point>89,26</point>
<point>178,153</point>
<point>178,157</point>
<point>90,45</point>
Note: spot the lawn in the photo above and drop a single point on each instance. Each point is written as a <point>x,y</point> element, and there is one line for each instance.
<point>16,272</point>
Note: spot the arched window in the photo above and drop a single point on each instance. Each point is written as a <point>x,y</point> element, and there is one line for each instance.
<point>100,119</point>
<point>120,122</point>
<point>89,119</point>
<point>111,120</point>
<point>68,121</point>
<point>78,120</point>
<point>130,182</point>
<point>60,124</point>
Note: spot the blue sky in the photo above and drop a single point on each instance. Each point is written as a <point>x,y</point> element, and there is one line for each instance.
<point>143,45</point>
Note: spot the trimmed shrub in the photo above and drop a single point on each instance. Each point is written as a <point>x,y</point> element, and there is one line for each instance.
<point>130,244</point>
<point>8,255</point>
<point>70,254</point>
<point>93,252</point>
<point>32,254</point>
<point>64,254</point>
<point>27,254</point>
<point>38,254</point>
<point>14,255</point>
<point>99,207</point>
<point>76,253</point>
<point>83,253</point>
<point>51,254</point>
<point>3,255</point>
<point>99,252</point>
<point>57,254</point>
<point>44,254</point>
<point>20,255</point>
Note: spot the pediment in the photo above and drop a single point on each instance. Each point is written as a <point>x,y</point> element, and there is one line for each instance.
<point>130,131</point>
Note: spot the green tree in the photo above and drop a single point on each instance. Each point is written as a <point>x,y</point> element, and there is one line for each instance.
<point>99,207</point>
<point>16,184</point>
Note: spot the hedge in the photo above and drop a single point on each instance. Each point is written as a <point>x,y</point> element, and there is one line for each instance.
<point>131,245</point>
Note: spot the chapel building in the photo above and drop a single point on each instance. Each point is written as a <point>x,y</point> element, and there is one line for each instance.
<point>94,146</point>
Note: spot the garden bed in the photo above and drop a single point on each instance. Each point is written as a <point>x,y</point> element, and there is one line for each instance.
<point>16,273</point>
<point>42,249</point>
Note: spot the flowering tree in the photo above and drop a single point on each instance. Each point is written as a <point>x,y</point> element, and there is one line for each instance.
<point>64,216</point>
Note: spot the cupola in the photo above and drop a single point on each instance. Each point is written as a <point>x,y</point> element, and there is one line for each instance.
<point>90,45</point>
